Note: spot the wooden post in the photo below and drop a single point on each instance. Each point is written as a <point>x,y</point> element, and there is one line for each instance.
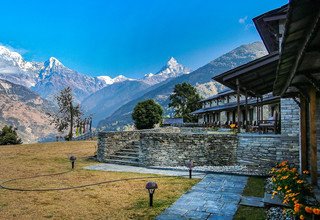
<point>303,135</point>
<point>246,118</point>
<point>261,107</point>
<point>258,112</point>
<point>238,103</point>
<point>313,135</point>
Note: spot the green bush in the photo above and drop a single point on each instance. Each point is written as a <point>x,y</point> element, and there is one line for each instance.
<point>146,114</point>
<point>8,136</point>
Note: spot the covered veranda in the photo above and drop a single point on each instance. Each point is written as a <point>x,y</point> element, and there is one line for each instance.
<point>254,79</point>
<point>222,116</point>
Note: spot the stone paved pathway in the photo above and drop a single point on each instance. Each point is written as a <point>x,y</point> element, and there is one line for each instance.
<point>133,169</point>
<point>215,197</point>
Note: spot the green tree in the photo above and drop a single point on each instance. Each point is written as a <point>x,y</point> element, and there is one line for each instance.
<point>69,113</point>
<point>184,100</point>
<point>146,114</point>
<point>9,136</point>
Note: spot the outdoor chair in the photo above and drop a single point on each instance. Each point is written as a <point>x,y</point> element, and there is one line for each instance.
<point>268,125</point>
<point>253,127</point>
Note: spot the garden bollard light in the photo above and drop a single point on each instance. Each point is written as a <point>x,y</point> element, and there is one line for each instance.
<point>151,187</point>
<point>72,160</point>
<point>190,166</point>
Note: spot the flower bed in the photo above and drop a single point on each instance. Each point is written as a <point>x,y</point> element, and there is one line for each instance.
<point>295,192</point>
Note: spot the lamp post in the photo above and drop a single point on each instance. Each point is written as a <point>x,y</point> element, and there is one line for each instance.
<point>151,187</point>
<point>72,160</point>
<point>190,166</point>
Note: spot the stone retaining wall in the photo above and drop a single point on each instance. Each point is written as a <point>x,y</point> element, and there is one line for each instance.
<point>266,150</point>
<point>176,149</point>
<point>111,142</point>
<point>158,148</point>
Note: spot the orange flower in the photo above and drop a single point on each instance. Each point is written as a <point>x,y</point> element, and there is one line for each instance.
<point>316,211</point>
<point>299,181</point>
<point>305,172</point>
<point>308,210</point>
<point>297,207</point>
<point>301,217</point>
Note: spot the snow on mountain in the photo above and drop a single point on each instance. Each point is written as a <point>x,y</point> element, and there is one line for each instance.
<point>172,69</point>
<point>107,100</point>
<point>54,76</point>
<point>122,78</point>
<point>200,78</point>
<point>48,78</point>
<point>108,80</point>
<point>15,69</point>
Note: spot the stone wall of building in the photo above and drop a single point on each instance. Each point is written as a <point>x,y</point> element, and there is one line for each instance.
<point>290,117</point>
<point>169,149</point>
<point>266,150</point>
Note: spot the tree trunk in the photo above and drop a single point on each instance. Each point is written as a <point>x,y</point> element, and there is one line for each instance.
<point>71,122</point>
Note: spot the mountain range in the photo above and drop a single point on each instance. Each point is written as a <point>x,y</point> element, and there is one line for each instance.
<point>200,78</point>
<point>104,102</point>
<point>109,100</point>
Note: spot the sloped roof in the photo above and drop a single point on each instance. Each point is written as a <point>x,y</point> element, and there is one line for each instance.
<point>267,25</point>
<point>299,64</point>
<point>256,77</point>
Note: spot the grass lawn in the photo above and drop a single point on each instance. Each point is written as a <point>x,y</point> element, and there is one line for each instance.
<point>254,187</point>
<point>119,200</point>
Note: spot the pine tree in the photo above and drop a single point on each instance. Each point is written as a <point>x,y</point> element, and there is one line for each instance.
<point>9,136</point>
<point>69,112</point>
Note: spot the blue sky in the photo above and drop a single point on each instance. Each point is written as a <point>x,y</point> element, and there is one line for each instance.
<point>112,37</point>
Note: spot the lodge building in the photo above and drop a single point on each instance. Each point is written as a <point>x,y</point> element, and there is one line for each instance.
<point>282,86</point>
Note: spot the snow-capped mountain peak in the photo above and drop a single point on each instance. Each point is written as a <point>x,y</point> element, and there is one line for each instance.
<point>52,65</point>
<point>52,62</point>
<point>148,75</point>
<point>170,70</point>
<point>14,59</point>
<point>108,80</point>
<point>121,78</point>
<point>172,62</point>
<point>15,69</point>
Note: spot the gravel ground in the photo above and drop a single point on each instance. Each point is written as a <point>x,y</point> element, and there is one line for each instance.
<point>237,169</point>
<point>276,213</point>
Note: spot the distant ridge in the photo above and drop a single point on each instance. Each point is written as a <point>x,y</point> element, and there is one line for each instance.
<point>201,78</point>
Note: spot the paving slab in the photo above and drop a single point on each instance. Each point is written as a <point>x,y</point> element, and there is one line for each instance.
<point>135,169</point>
<point>252,201</point>
<point>215,197</point>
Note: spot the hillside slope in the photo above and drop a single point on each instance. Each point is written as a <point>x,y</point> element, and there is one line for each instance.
<point>26,111</point>
<point>201,78</point>
<point>104,102</point>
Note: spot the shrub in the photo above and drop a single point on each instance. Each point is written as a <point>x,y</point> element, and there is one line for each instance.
<point>9,136</point>
<point>294,190</point>
<point>146,114</point>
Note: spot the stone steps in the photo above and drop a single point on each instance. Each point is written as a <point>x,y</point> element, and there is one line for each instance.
<point>126,156</point>
<point>127,153</point>
<point>124,162</point>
